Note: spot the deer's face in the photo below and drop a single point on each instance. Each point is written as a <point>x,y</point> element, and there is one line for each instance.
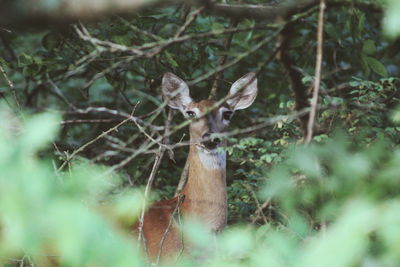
<point>208,118</point>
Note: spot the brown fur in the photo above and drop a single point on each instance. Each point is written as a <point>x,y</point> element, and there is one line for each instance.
<point>205,193</point>
<point>205,200</point>
<point>156,221</point>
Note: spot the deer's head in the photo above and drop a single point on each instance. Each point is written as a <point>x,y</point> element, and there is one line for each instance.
<point>208,117</point>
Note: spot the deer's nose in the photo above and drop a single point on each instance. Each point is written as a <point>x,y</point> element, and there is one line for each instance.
<point>209,142</point>
<point>214,139</point>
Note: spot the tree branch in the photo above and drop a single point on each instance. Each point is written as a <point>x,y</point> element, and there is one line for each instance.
<point>222,59</point>
<point>261,12</point>
<point>39,14</point>
<point>317,80</point>
<point>34,14</point>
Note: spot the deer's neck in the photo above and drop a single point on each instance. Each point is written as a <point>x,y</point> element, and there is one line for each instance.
<point>205,190</point>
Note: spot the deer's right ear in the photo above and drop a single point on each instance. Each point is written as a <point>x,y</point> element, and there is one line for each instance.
<point>175,91</point>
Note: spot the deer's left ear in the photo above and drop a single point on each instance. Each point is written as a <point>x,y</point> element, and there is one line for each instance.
<point>243,92</point>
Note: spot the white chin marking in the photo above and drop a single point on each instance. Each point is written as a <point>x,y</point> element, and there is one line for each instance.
<point>212,159</point>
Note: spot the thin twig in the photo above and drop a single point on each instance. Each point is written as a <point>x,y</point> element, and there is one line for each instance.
<point>181,198</point>
<point>11,85</point>
<point>251,50</point>
<point>183,178</point>
<point>318,68</point>
<point>222,59</point>
<point>80,149</point>
<point>145,147</point>
<point>150,180</point>
<point>191,18</point>
<point>88,121</point>
<point>259,212</point>
<point>84,34</point>
<point>118,113</point>
<point>238,58</point>
<point>140,31</point>
<point>148,136</point>
<point>202,35</point>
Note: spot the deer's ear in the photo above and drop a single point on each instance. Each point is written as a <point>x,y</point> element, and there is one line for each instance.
<point>175,91</point>
<point>243,92</point>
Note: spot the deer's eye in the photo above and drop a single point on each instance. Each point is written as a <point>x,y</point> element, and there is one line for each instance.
<point>191,114</point>
<point>226,115</point>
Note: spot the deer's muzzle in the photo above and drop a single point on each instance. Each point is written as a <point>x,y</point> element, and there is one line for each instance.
<point>210,142</point>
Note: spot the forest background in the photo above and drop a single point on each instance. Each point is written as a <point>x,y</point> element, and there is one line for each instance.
<point>83,128</point>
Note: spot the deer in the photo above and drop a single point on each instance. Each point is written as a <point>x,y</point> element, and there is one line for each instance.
<point>204,196</point>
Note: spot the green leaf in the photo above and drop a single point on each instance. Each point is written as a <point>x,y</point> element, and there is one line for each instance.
<point>361,22</point>
<point>354,83</point>
<point>170,60</point>
<point>3,62</point>
<point>331,31</point>
<point>369,47</point>
<point>30,70</point>
<point>215,26</point>
<point>122,39</point>
<point>25,60</point>
<point>376,66</point>
<point>37,60</point>
<point>365,65</point>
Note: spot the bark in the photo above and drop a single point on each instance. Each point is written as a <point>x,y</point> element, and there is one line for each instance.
<point>37,14</point>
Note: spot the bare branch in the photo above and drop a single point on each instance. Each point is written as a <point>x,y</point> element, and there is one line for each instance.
<point>265,13</point>
<point>183,178</point>
<point>80,149</point>
<point>192,17</point>
<point>318,67</point>
<point>150,180</point>
<point>34,14</point>
<point>39,14</point>
<point>11,85</point>
<point>176,211</point>
<point>222,60</point>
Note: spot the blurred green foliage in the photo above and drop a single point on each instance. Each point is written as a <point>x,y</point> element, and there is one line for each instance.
<point>340,196</point>
<point>47,216</point>
<point>392,20</point>
<point>333,203</point>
